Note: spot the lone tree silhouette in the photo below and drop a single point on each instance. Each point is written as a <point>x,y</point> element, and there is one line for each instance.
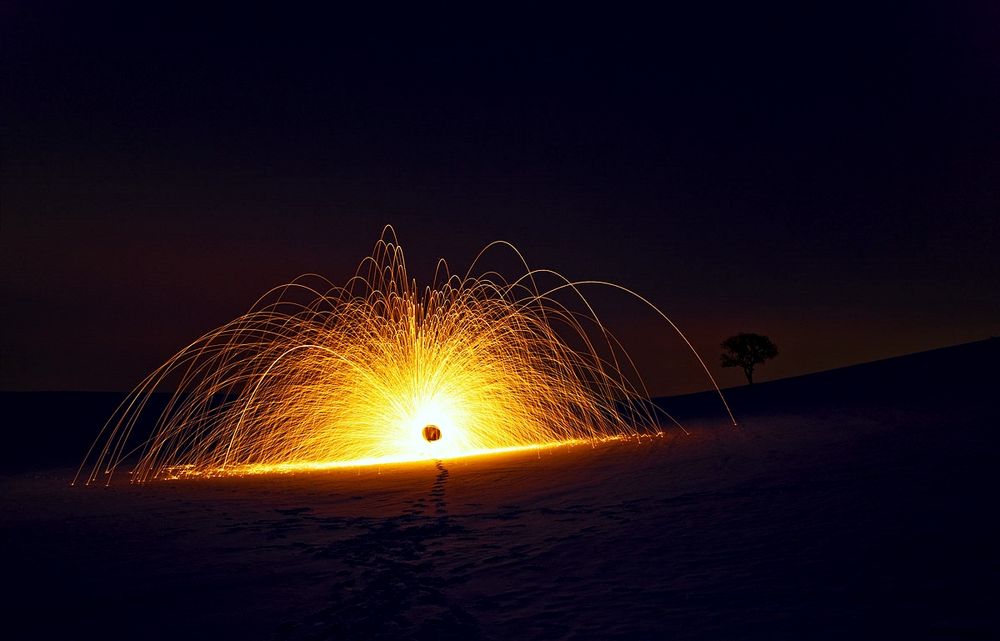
<point>746,351</point>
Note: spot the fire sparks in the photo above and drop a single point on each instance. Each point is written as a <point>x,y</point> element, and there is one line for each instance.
<point>317,375</point>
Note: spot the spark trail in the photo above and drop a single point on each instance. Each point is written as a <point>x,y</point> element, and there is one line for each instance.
<point>317,375</point>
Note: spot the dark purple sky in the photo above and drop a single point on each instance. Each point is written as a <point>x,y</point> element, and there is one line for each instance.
<point>829,177</point>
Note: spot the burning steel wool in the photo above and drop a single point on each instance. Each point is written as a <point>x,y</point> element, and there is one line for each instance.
<point>378,370</point>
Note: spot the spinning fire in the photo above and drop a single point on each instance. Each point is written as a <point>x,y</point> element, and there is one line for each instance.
<point>378,370</point>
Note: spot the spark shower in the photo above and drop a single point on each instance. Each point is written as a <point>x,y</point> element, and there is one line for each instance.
<point>380,370</point>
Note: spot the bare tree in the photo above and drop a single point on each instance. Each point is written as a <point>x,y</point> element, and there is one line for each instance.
<point>746,351</point>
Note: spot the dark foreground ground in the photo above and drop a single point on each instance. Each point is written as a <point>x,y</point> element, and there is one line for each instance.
<point>859,503</point>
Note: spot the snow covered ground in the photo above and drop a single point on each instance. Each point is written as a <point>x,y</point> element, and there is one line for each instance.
<point>835,510</point>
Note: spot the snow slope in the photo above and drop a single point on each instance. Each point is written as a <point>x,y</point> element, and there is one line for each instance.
<point>835,510</point>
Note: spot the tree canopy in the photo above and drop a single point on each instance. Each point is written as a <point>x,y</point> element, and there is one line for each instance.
<point>747,351</point>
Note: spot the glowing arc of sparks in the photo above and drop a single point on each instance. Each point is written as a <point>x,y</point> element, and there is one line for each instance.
<point>314,378</point>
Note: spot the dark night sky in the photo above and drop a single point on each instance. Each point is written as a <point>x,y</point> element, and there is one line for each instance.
<point>827,176</point>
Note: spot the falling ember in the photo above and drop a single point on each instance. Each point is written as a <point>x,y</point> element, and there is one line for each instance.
<point>378,370</point>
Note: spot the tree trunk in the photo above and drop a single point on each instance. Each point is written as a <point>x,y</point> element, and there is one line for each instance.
<point>749,372</point>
